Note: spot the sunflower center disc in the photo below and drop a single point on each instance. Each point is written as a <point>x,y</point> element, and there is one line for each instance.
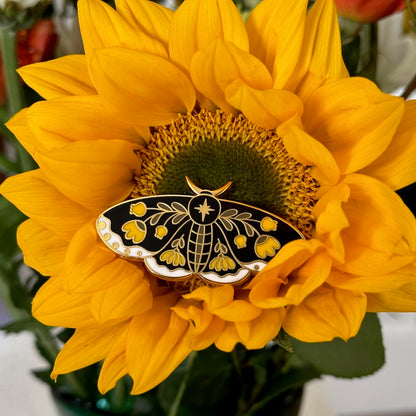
<point>214,148</point>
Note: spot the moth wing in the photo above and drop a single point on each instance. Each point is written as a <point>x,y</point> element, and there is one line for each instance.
<point>142,227</point>
<point>252,237</point>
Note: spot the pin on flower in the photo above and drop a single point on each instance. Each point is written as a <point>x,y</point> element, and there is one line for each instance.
<point>268,106</point>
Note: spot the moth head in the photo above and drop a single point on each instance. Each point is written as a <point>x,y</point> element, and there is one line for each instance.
<point>197,190</point>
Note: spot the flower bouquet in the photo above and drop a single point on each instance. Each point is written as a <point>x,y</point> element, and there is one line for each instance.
<point>211,210</point>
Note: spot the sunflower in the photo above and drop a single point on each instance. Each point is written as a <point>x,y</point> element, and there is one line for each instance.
<point>267,105</point>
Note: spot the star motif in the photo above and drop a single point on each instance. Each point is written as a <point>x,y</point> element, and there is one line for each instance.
<point>204,209</point>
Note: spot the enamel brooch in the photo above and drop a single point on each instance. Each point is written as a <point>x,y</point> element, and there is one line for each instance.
<point>179,236</point>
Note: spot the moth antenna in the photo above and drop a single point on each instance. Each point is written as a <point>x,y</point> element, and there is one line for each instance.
<point>220,191</point>
<point>197,190</point>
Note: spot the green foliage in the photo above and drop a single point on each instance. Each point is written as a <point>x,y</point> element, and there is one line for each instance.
<point>359,356</point>
<point>10,218</point>
<point>351,54</point>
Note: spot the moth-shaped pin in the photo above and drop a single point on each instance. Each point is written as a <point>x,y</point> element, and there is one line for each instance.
<point>179,236</point>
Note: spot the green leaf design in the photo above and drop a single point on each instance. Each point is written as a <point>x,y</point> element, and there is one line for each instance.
<point>359,356</point>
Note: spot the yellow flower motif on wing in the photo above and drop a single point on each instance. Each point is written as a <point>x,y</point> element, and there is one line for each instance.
<point>135,231</point>
<point>160,231</point>
<point>173,257</point>
<point>138,209</point>
<point>240,241</point>
<point>268,224</point>
<point>207,96</point>
<point>222,263</point>
<point>266,246</point>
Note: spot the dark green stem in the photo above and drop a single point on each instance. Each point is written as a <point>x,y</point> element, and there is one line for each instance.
<point>236,362</point>
<point>14,88</point>
<point>182,387</point>
<point>369,51</point>
<point>9,57</point>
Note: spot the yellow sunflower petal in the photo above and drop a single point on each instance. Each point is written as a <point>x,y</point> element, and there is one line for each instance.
<point>114,366</point>
<point>150,18</point>
<point>228,338</point>
<point>88,118</point>
<point>309,151</point>
<point>197,23</point>
<point>162,349</point>
<point>333,108</point>
<point>268,292</point>
<point>266,108</point>
<point>214,297</point>
<point>191,311</point>
<point>400,300</point>
<point>36,198</point>
<point>102,27</point>
<point>61,77</point>
<point>275,33</point>
<point>374,284</point>
<point>208,337</point>
<point>204,326</point>
<point>396,166</point>
<point>55,307</point>
<point>290,257</point>
<point>381,236</point>
<point>91,266</point>
<point>259,331</point>
<point>131,295</point>
<point>141,88</point>
<point>320,58</point>
<point>326,314</point>
<point>87,346</point>
<point>253,334</point>
<point>96,173</point>
<point>216,67</point>
<point>42,249</point>
<point>331,220</point>
<point>18,126</point>
<point>238,310</point>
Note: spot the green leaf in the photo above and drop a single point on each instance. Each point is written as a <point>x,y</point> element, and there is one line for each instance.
<point>283,391</point>
<point>351,54</point>
<point>359,356</point>
<point>10,218</point>
<point>28,324</point>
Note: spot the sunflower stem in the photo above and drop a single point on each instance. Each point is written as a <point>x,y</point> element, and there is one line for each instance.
<point>182,387</point>
<point>236,362</point>
<point>369,51</point>
<point>14,89</point>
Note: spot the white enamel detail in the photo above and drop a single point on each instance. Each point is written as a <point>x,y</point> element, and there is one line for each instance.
<point>115,243</point>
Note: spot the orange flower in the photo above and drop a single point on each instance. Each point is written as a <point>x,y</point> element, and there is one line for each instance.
<point>366,11</point>
<point>33,45</point>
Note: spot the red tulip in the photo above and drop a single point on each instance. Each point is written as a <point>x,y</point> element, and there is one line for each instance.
<point>366,11</point>
<point>33,45</point>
